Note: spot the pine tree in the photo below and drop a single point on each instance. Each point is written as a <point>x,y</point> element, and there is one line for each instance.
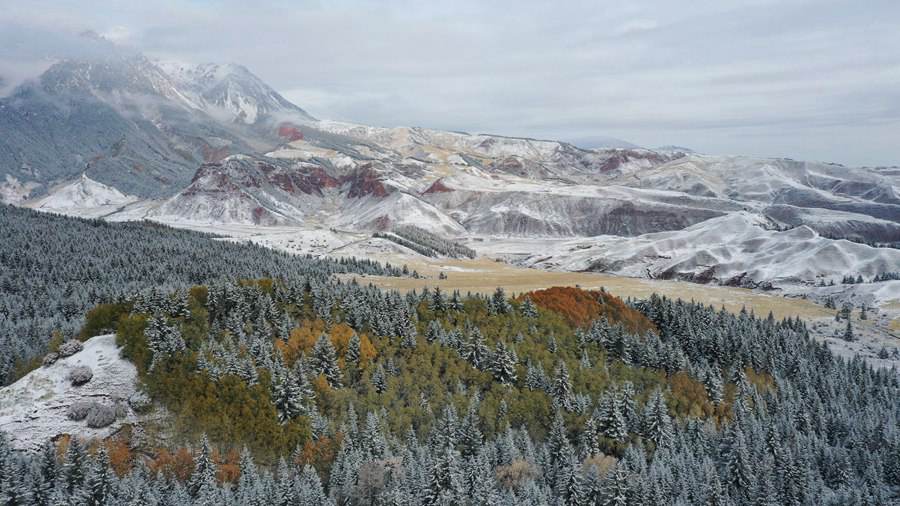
<point>324,361</point>
<point>379,379</point>
<point>529,310</point>
<point>557,441</point>
<point>737,463</point>
<point>475,351</point>
<point>552,346</point>
<point>848,332</point>
<point>203,479</point>
<point>561,389</point>
<point>372,439</point>
<point>590,440</point>
<point>570,484</point>
<point>445,480</point>
<point>248,487</point>
<point>99,480</point>
<point>456,303</point>
<point>535,377</point>
<point>353,350</point>
<point>657,423</point>
<point>409,341</point>
<point>611,421</point>
<point>284,486</point>
<point>470,436</point>
<point>74,466</point>
<point>498,303</point>
<point>310,489</point>
<point>503,365</point>
<point>287,397</point>
<point>306,395</point>
<point>617,488</point>
<point>437,302</point>
<point>434,331</point>
<point>163,339</point>
<point>14,486</point>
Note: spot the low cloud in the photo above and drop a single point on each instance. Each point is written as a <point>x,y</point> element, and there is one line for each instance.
<point>789,77</point>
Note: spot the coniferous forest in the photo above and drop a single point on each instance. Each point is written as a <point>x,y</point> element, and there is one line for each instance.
<point>53,269</point>
<point>269,381</point>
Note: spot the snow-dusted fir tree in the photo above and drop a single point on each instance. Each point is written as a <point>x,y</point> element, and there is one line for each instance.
<point>324,361</point>
<point>503,364</point>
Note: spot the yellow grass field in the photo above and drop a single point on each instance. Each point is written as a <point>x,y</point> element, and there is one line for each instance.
<point>483,275</point>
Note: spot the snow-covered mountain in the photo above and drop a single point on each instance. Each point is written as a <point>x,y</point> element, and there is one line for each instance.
<point>135,124</point>
<point>232,93</point>
<point>214,145</point>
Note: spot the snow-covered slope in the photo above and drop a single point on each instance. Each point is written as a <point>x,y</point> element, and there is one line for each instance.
<point>214,145</point>
<point>232,93</point>
<point>738,248</point>
<point>83,197</point>
<point>33,409</point>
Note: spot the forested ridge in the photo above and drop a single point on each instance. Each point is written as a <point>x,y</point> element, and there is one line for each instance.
<point>54,268</point>
<point>313,391</point>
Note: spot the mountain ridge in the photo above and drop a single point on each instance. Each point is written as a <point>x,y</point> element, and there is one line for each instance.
<point>212,144</point>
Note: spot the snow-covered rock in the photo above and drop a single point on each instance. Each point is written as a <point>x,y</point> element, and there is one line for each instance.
<point>36,407</point>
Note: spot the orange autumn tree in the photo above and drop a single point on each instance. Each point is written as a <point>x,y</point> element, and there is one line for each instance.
<point>580,307</point>
<point>304,337</point>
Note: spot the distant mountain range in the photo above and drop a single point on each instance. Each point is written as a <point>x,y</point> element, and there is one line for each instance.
<point>127,138</point>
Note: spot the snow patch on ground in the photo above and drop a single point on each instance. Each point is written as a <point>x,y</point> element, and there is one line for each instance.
<point>33,409</point>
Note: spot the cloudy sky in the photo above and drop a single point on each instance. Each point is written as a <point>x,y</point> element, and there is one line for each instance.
<point>807,79</point>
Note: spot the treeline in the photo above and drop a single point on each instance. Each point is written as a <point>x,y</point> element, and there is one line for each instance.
<point>344,394</point>
<point>426,243</point>
<point>858,279</point>
<point>54,268</point>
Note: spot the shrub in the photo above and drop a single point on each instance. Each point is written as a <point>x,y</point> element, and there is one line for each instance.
<point>79,410</point>
<point>517,472</point>
<point>100,416</point>
<point>70,347</point>
<point>102,319</point>
<point>80,375</point>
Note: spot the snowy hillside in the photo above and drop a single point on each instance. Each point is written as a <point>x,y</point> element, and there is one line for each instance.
<point>737,248</point>
<point>213,145</point>
<point>35,407</point>
<point>83,197</point>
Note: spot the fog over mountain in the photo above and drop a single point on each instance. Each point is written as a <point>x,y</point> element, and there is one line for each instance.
<point>752,77</point>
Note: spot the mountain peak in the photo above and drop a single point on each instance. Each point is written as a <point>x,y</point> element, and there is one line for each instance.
<point>233,93</point>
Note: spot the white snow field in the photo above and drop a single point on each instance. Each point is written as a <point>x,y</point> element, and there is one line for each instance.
<point>33,409</point>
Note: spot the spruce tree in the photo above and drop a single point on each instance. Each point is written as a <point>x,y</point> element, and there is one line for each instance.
<point>529,310</point>
<point>99,480</point>
<point>503,365</point>
<point>561,388</point>
<point>324,361</point>
<point>203,479</point>
<point>657,426</point>
<point>445,480</point>
<point>848,332</point>
<point>379,379</point>
<point>74,465</point>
